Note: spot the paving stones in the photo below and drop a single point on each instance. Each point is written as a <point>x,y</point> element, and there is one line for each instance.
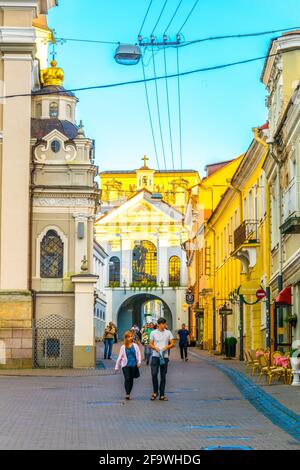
<point>205,409</point>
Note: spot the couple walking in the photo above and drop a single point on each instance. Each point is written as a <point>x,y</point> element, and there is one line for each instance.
<point>161,341</point>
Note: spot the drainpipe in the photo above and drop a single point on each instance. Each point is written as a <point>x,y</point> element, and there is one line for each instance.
<point>214,289</point>
<point>268,149</point>
<point>279,194</point>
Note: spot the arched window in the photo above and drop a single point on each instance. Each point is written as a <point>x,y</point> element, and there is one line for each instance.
<point>114,272</point>
<point>52,256</point>
<point>69,111</point>
<point>39,110</point>
<point>144,263</point>
<point>53,110</point>
<point>174,271</point>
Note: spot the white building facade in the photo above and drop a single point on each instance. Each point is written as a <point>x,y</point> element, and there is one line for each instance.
<point>146,263</point>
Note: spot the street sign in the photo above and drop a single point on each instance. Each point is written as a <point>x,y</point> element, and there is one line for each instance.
<point>261,294</point>
<point>190,298</point>
<point>225,311</point>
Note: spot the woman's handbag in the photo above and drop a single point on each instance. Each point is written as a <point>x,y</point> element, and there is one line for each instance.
<point>136,373</point>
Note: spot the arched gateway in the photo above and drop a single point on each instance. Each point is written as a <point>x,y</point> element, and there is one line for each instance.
<point>140,308</point>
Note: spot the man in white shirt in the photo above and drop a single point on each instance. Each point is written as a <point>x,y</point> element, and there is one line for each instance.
<point>161,341</point>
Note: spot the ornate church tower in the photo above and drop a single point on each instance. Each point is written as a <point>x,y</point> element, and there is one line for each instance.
<point>65,199</point>
<point>18,58</point>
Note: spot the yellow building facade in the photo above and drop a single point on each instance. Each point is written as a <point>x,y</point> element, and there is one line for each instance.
<point>118,186</point>
<point>234,257</point>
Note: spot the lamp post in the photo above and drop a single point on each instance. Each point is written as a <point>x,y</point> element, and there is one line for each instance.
<point>125,286</point>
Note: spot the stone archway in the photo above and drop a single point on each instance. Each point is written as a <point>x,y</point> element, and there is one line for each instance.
<point>130,312</point>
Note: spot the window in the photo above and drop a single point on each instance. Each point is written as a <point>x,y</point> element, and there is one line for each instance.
<point>39,110</point>
<point>245,209</point>
<point>53,110</point>
<point>174,271</point>
<point>250,205</point>
<point>69,111</point>
<point>55,146</point>
<point>52,256</point>
<point>114,272</point>
<point>144,262</point>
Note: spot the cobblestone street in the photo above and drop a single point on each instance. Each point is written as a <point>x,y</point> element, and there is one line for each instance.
<point>205,409</point>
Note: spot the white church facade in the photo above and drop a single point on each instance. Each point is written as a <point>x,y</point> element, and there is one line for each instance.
<point>146,274</point>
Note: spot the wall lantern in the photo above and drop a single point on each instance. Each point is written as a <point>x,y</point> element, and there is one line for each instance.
<point>128,54</point>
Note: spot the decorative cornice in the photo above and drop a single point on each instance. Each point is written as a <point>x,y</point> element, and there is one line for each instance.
<point>64,202</point>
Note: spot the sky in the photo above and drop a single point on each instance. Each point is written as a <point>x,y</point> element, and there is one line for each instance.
<point>219,108</point>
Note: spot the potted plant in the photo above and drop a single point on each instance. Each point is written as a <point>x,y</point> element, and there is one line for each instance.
<point>230,346</point>
<point>292,320</point>
<point>227,349</point>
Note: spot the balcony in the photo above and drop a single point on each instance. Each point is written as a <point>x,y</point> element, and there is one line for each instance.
<point>291,225</point>
<point>291,215</point>
<point>245,244</point>
<point>246,233</point>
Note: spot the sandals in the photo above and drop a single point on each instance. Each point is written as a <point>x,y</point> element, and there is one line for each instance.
<point>163,399</point>
<point>153,397</point>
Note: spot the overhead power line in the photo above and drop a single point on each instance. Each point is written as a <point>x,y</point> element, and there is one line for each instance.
<point>152,79</point>
<point>158,111</point>
<point>183,43</point>
<point>179,109</point>
<point>159,18</point>
<point>145,17</point>
<point>150,117</point>
<point>168,108</point>
<point>235,36</point>
<point>174,14</point>
<point>188,17</point>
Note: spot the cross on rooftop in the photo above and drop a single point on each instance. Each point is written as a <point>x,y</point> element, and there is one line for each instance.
<point>145,160</point>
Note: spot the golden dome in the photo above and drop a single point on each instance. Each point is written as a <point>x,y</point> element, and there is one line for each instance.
<point>53,75</point>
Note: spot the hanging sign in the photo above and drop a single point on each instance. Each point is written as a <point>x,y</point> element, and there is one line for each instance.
<point>190,298</point>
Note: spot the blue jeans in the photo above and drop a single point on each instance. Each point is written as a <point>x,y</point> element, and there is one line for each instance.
<point>147,352</point>
<point>155,368</point>
<point>108,344</point>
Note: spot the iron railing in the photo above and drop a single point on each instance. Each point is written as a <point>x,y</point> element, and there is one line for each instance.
<point>247,232</point>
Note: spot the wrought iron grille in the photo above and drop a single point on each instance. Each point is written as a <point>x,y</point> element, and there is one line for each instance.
<point>174,270</point>
<point>144,262</point>
<point>52,256</point>
<point>53,338</point>
<point>247,232</point>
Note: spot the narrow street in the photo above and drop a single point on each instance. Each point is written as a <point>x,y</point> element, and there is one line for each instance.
<point>205,409</point>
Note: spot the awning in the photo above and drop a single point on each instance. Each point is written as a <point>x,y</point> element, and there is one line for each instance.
<point>285,296</point>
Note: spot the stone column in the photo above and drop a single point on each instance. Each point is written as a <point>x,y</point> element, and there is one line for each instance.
<point>84,353</point>
<point>163,261</point>
<point>183,270</point>
<point>126,262</point>
<point>81,244</point>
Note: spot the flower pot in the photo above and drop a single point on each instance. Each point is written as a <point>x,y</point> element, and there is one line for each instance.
<point>232,350</point>
<point>295,363</point>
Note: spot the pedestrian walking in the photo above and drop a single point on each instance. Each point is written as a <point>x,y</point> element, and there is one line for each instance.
<point>146,332</point>
<point>109,338</point>
<point>130,361</point>
<point>135,334</point>
<point>184,341</point>
<point>161,341</point>
<point>116,333</point>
